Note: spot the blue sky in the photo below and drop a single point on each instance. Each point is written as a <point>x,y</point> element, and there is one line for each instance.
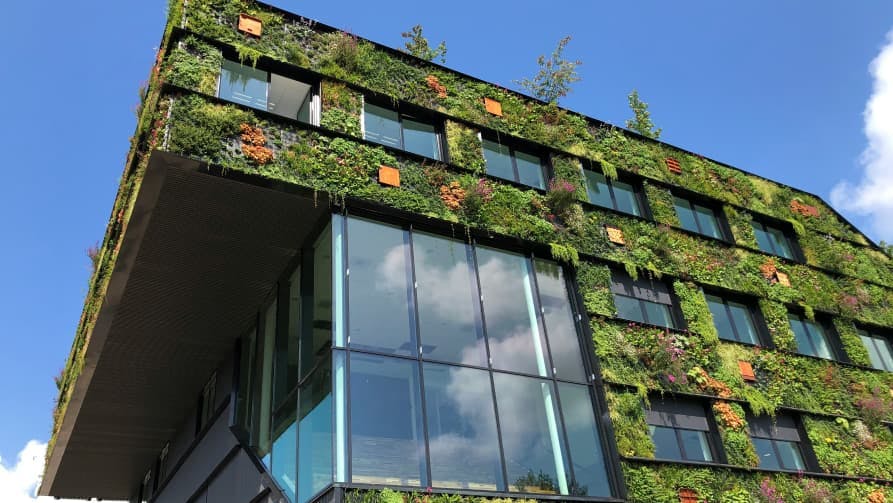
<point>776,88</point>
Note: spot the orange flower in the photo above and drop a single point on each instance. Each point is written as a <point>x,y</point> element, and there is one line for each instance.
<point>436,86</point>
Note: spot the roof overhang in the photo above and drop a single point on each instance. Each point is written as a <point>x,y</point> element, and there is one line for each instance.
<point>202,251</point>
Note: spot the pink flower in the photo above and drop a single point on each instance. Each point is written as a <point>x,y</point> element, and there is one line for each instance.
<point>671,378</point>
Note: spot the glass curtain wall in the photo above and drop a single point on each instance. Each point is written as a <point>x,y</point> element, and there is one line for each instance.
<point>406,359</point>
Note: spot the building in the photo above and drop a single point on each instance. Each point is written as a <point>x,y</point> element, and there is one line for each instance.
<point>334,271</point>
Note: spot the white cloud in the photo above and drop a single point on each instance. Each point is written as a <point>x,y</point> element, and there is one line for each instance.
<point>873,195</point>
<point>18,483</point>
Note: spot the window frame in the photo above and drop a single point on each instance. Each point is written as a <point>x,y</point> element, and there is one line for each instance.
<point>876,335</point>
<point>772,433</point>
<point>831,337</point>
<point>635,186</point>
<point>675,316</point>
<point>764,224</point>
<point>418,116</point>
<point>315,104</point>
<point>764,338</point>
<point>515,146</point>
<point>719,218</point>
<point>664,405</point>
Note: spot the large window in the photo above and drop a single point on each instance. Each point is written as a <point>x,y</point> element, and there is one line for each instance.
<point>388,127</point>
<point>679,430</point>
<point>698,218</point>
<point>432,363</point>
<point>514,164</point>
<point>734,321</point>
<point>614,194</point>
<point>879,350</point>
<point>268,91</point>
<point>777,442</point>
<point>775,240</point>
<point>643,300</point>
<point>812,338</point>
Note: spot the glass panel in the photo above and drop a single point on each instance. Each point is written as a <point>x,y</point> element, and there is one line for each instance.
<point>766,453</point>
<point>264,391</point>
<point>531,440</point>
<point>780,241</point>
<point>658,314</point>
<point>315,434</point>
<point>499,160</point>
<point>744,322</point>
<point>317,337</point>
<point>790,455</point>
<point>873,354</point>
<point>286,372</point>
<point>462,435</point>
<point>381,126</point>
<point>720,318</point>
<point>763,240</point>
<point>285,448</point>
<point>885,351</point>
<point>590,478</point>
<point>707,219</point>
<point>530,170</point>
<point>804,346</point>
<point>665,444</point>
<point>685,214</point>
<point>510,313</point>
<point>288,97</point>
<point>420,138</point>
<point>695,444</point>
<point>246,379</point>
<point>243,84</point>
<point>628,308</point>
<point>386,438</point>
<point>450,326</point>
<point>597,189</point>
<point>564,343</point>
<point>339,278</point>
<point>339,392</point>
<point>819,339</point>
<point>626,198</point>
<point>379,291</point>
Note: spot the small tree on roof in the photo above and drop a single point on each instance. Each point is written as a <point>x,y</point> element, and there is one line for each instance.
<point>641,122</point>
<point>417,45</point>
<point>556,74</point>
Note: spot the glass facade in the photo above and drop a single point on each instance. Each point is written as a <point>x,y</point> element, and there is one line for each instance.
<point>642,300</point>
<point>734,321</point>
<point>776,442</point>
<point>697,218</point>
<point>879,350</point>
<point>811,337</point>
<point>614,194</point>
<point>512,164</point>
<point>267,91</point>
<point>407,359</point>
<point>773,240</point>
<point>679,430</point>
<point>388,127</point>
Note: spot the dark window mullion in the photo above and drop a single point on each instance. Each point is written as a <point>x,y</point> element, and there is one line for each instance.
<point>680,443</point>
<point>778,457</point>
<point>514,165</point>
<point>644,311</point>
<point>611,192</point>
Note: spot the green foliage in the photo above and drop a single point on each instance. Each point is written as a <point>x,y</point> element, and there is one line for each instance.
<point>342,108</point>
<point>417,45</point>
<point>641,121</point>
<point>776,316</point>
<point>201,129</point>
<point>851,342</point>
<point>565,254</point>
<point>628,418</point>
<point>247,53</point>
<point>660,200</point>
<point>464,147</point>
<point>555,76</point>
<point>851,448</point>
<point>595,285</point>
<point>193,64</point>
<point>697,314</point>
<point>569,169</point>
